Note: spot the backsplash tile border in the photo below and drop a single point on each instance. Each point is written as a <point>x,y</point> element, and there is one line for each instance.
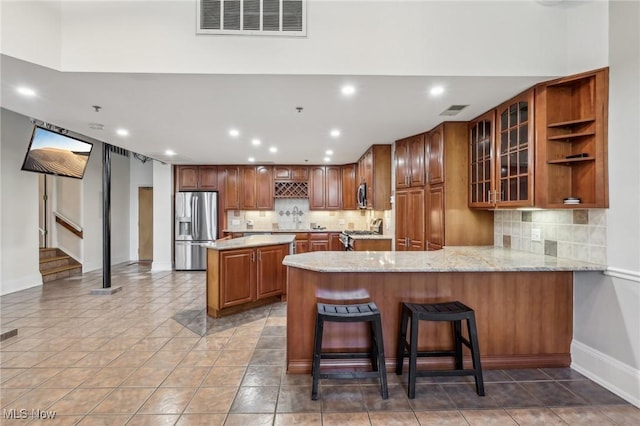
<point>575,234</point>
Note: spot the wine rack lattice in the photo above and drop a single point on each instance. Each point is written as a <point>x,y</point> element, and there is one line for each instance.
<point>292,190</point>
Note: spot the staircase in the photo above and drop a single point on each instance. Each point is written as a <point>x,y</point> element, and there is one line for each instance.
<point>56,264</point>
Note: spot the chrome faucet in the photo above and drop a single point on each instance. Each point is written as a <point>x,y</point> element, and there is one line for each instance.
<point>296,216</point>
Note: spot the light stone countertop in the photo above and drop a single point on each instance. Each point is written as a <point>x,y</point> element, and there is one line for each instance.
<point>370,237</point>
<point>449,259</point>
<point>251,241</point>
<point>281,231</point>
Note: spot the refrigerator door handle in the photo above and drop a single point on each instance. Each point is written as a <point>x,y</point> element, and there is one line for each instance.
<point>195,228</point>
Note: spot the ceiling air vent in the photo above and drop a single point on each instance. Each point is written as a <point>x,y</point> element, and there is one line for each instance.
<point>252,17</point>
<point>453,110</point>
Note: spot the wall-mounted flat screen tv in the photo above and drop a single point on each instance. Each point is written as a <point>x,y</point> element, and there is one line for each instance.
<point>56,154</point>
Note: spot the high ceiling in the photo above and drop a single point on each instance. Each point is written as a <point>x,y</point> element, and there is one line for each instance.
<point>192,114</point>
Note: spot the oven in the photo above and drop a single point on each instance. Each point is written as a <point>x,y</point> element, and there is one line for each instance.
<point>347,242</point>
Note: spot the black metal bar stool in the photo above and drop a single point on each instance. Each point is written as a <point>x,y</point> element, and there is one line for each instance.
<point>454,312</point>
<point>350,313</point>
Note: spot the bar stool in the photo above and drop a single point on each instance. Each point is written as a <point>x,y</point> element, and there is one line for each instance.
<point>454,312</point>
<point>350,313</point>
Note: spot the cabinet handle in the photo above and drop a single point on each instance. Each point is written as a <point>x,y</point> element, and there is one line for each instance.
<point>253,256</point>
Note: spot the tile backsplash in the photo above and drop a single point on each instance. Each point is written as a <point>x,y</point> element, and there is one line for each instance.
<point>573,234</point>
<point>332,220</point>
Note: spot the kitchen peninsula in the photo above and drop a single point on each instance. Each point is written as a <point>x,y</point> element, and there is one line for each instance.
<point>246,272</point>
<point>523,301</point>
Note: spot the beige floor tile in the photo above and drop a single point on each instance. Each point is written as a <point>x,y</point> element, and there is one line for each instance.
<point>8,373</point>
<point>622,415</point>
<point>88,344</point>
<point>211,343</point>
<point>233,358</point>
<point>80,401</point>
<point>7,396</point>
<point>393,418</point>
<point>535,416</point>
<point>123,401</point>
<point>341,419</point>
<point>181,344</point>
<point>40,399</point>
<point>150,344</point>
<point>488,417</point>
<point>63,359</point>
<point>298,419</point>
<point>108,377</point>
<point>212,400</point>
<point>27,359</point>
<point>168,401</point>
<point>249,419</point>
<point>190,377</point>
<point>59,420</point>
<point>31,378</point>
<point>70,377</point>
<point>98,359</point>
<point>132,359</point>
<point>583,416</point>
<point>200,359</point>
<point>165,358</point>
<point>224,376</point>
<point>122,343</point>
<point>153,420</point>
<point>56,344</point>
<point>201,420</point>
<point>147,377</point>
<point>102,420</point>
<point>276,321</point>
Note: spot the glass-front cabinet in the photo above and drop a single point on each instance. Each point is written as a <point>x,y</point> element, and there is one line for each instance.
<point>481,131</point>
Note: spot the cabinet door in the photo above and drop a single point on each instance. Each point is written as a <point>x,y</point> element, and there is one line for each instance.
<point>402,163</point>
<point>319,241</point>
<point>208,178</point>
<point>334,242</point>
<point>402,210</point>
<point>481,134</point>
<point>435,216</point>
<point>299,173</point>
<point>248,180</point>
<point>282,173</point>
<point>264,188</point>
<point>436,155</point>
<point>302,246</point>
<point>231,187</point>
<point>333,187</point>
<point>349,187</point>
<point>415,219</point>
<point>271,273</point>
<point>514,148</point>
<point>416,161</point>
<point>187,178</point>
<point>368,176</point>
<point>237,277</point>
<point>317,187</point>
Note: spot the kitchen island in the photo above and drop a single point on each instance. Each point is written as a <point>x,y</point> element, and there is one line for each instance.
<point>523,302</point>
<point>246,272</point>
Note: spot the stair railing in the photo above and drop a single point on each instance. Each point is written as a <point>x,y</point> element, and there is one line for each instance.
<point>68,224</point>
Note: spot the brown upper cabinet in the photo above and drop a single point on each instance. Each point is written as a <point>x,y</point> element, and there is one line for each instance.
<point>435,154</point>
<point>257,188</point>
<point>482,137</point>
<point>325,183</point>
<point>291,173</point>
<point>374,168</point>
<point>349,186</point>
<point>230,176</point>
<point>410,171</point>
<point>571,159</point>
<point>197,178</point>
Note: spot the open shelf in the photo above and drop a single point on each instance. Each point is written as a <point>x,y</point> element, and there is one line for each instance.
<point>572,123</point>
<point>569,161</point>
<point>568,136</point>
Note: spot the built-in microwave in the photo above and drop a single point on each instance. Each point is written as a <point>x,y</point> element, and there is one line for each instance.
<point>361,196</point>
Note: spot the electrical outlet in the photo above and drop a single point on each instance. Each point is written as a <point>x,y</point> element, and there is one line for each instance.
<point>535,234</point>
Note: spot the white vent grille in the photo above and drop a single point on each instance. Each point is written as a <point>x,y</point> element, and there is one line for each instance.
<point>252,17</point>
<point>453,110</point>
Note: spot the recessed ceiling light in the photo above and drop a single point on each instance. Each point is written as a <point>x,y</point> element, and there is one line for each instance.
<point>329,152</point>
<point>334,133</point>
<point>251,159</point>
<point>255,142</point>
<point>169,152</point>
<point>436,90</point>
<point>234,132</point>
<point>348,90</point>
<point>327,159</point>
<point>273,149</point>
<point>122,132</point>
<point>26,91</point>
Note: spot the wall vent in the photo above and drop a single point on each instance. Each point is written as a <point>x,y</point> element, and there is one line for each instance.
<point>453,110</point>
<point>119,151</point>
<point>252,17</point>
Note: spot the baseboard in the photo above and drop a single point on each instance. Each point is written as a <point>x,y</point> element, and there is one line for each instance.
<point>608,372</point>
<point>23,283</point>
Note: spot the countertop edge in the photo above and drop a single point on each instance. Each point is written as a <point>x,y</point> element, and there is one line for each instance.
<point>251,241</point>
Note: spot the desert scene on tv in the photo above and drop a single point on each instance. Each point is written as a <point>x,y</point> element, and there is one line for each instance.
<point>57,154</point>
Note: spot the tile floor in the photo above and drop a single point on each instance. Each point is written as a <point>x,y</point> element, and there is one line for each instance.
<point>150,356</point>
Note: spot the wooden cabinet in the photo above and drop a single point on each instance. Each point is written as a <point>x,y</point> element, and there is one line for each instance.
<point>325,183</point>
<point>197,178</point>
<point>374,168</point>
<point>366,244</point>
<point>257,188</point>
<point>410,220</point>
<point>291,173</point>
<point>571,160</point>
<point>302,242</point>
<point>349,186</point>
<point>435,148</point>
<point>334,242</point>
<point>482,137</point>
<point>243,278</point>
<point>435,217</point>
<point>318,241</point>
<point>231,188</point>
<point>409,157</point>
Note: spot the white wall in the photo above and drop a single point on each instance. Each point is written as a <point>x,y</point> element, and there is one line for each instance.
<point>121,209</point>
<point>19,208</point>
<point>587,35</point>
<point>606,344</point>
<point>344,37</point>
<point>162,217</point>
<point>140,175</point>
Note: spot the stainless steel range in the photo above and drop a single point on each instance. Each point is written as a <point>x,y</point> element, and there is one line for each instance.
<point>375,228</point>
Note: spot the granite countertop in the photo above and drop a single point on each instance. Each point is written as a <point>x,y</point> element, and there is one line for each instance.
<point>281,231</point>
<point>449,259</point>
<point>370,237</point>
<point>251,241</point>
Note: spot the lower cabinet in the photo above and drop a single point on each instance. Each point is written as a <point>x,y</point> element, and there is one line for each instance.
<point>410,220</point>
<point>318,241</point>
<point>244,278</point>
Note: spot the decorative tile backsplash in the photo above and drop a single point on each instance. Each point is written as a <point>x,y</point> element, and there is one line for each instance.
<point>574,234</point>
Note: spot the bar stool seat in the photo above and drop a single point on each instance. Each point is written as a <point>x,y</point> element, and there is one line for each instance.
<point>455,312</point>
<point>363,312</point>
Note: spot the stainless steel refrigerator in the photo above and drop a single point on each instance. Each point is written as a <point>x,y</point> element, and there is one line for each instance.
<point>196,224</point>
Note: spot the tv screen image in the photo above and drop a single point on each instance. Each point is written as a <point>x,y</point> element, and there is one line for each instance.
<point>57,154</point>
